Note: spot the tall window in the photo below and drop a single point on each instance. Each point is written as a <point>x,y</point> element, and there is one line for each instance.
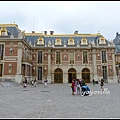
<point>1,51</point>
<point>58,60</point>
<point>85,57</point>
<point>71,57</point>
<point>25,52</point>
<point>39,56</point>
<point>1,66</point>
<point>39,73</point>
<point>104,57</point>
<point>104,72</point>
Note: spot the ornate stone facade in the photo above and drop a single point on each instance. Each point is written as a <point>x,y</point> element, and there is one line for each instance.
<point>59,57</point>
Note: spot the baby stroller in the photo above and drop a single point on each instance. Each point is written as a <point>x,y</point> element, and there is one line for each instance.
<point>85,90</point>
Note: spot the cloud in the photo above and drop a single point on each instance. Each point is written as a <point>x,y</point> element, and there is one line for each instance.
<point>63,16</point>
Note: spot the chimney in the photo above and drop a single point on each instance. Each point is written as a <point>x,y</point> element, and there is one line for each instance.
<point>45,32</point>
<point>76,32</point>
<point>33,31</point>
<point>51,32</point>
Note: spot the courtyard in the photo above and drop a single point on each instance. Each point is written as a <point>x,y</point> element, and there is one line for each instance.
<point>56,101</point>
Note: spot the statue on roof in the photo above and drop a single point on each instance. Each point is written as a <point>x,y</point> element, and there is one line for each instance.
<point>49,43</point>
<point>21,34</point>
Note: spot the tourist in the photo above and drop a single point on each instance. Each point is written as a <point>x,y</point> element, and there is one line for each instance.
<point>25,83</point>
<point>73,84</point>
<point>35,82</point>
<point>101,83</point>
<point>93,82</point>
<point>45,82</point>
<point>78,86</point>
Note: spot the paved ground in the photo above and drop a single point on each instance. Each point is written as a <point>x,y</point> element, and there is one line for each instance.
<point>56,101</point>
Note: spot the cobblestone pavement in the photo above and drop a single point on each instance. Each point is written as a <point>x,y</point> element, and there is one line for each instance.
<point>56,101</point>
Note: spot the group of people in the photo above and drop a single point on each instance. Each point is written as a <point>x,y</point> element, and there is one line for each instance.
<point>33,83</point>
<point>79,86</point>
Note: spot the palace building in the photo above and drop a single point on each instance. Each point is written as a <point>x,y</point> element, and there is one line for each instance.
<point>59,57</point>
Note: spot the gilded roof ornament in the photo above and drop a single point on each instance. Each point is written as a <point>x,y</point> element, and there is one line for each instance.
<point>40,40</point>
<point>84,41</point>
<point>102,40</point>
<point>71,41</point>
<point>58,41</point>
<point>3,30</point>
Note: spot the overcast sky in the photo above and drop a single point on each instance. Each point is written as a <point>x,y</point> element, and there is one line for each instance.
<point>63,16</point>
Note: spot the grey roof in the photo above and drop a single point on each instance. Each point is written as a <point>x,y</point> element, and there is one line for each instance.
<point>64,38</point>
<point>117,43</point>
<point>12,29</point>
<point>77,39</point>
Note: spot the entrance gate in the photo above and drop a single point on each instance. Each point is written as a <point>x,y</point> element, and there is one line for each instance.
<point>86,75</point>
<point>58,76</point>
<point>71,74</point>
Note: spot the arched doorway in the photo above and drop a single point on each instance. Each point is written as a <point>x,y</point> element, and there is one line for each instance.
<point>58,76</point>
<point>71,74</point>
<point>86,75</point>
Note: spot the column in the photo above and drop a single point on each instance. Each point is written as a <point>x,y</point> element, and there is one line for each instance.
<point>95,76</point>
<point>18,76</point>
<point>49,66</point>
<point>114,69</point>
<point>26,70</point>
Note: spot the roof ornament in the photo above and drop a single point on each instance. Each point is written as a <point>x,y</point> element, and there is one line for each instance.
<point>49,43</point>
<point>21,34</point>
<point>12,35</point>
<point>98,33</point>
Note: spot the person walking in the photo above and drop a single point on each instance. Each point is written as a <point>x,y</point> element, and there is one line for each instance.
<point>35,82</point>
<point>73,84</point>
<point>93,82</point>
<point>102,84</point>
<point>45,82</point>
<point>32,83</point>
<point>25,83</point>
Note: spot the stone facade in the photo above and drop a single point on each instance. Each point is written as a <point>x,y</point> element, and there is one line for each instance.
<point>59,57</point>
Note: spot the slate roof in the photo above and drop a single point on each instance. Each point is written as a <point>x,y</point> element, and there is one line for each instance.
<point>11,29</point>
<point>64,37</point>
<point>117,43</point>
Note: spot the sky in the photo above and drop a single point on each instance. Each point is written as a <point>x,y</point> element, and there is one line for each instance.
<point>63,17</point>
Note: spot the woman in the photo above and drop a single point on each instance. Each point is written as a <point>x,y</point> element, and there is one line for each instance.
<point>102,83</point>
<point>45,82</point>
<point>73,86</point>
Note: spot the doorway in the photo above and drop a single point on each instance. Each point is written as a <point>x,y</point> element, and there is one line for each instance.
<point>71,75</point>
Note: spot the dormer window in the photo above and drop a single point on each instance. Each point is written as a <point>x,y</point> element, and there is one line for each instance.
<point>84,41</point>
<point>40,40</point>
<point>58,41</point>
<point>102,40</point>
<point>71,41</point>
<point>3,31</point>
